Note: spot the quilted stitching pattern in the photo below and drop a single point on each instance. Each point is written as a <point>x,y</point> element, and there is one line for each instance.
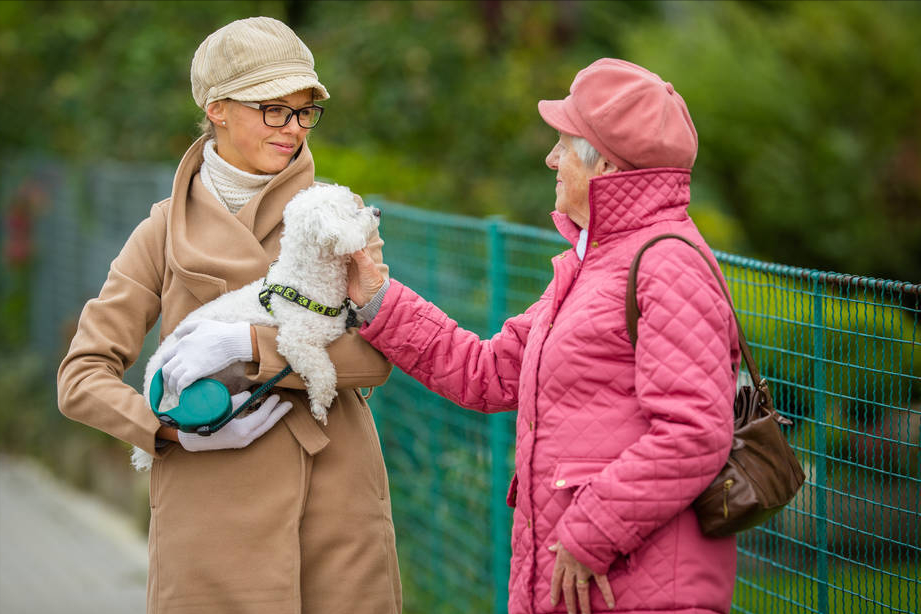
<point>477,374</point>
<point>639,197</point>
<point>657,422</point>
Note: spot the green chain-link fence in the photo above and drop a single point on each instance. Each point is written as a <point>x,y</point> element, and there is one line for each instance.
<point>842,353</point>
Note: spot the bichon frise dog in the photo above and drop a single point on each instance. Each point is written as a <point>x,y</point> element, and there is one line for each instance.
<point>323,225</point>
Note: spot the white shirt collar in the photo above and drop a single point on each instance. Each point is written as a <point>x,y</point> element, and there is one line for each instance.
<point>582,244</point>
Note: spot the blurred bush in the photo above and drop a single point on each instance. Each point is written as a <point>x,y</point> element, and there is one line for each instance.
<point>30,425</point>
<point>808,122</point>
<point>810,140</point>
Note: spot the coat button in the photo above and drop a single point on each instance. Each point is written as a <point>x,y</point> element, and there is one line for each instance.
<point>594,243</point>
<point>531,425</point>
<point>561,483</point>
<point>551,325</point>
<point>529,523</point>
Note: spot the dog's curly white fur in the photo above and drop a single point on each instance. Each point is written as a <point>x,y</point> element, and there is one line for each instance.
<point>323,225</point>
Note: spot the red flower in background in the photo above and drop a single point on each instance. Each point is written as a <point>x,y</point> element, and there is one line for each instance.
<point>18,221</point>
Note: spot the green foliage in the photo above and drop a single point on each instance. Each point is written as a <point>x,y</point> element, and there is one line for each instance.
<point>31,425</point>
<point>105,79</point>
<point>25,416</point>
<point>852,589</point>
<point>807,111</point>
<point>808,123</point>
<point>453,86</point>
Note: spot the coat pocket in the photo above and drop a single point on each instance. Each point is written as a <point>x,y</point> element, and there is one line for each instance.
<point>367,420</point>
<point>574,472</point>
<point>155,470</point>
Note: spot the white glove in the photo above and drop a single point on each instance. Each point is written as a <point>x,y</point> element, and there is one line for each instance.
<point>242,430</point>
<point>204,347</point>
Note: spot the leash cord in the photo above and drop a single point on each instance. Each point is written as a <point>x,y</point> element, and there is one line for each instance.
<point>258,394</point>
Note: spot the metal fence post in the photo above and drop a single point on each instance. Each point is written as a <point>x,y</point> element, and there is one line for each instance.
<point>498,438</point>
<point>821,421</point>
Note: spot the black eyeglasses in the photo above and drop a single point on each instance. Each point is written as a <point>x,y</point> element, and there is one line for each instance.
<point>278,115</point>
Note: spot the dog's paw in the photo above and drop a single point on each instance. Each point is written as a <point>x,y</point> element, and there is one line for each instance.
<point>141,460</point>
<point>318,412</point>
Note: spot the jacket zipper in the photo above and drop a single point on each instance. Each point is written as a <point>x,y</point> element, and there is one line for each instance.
<point>726,486</point>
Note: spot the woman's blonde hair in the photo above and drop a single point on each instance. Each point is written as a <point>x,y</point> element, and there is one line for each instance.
<point>207,127</point>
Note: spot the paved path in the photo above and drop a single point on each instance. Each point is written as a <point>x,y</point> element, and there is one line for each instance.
<point>62,551</point>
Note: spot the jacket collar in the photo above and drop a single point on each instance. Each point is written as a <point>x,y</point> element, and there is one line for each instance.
<point>211,249</point>
<point>630,200</point>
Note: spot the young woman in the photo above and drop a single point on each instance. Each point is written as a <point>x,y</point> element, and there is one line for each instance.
<point>281,514</point>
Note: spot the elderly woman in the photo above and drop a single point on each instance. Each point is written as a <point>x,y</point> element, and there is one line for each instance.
<point>275,512</point>
<point>613,444</point>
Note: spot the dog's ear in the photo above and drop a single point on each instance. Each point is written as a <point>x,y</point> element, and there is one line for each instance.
<point>327,216</point>
<point>304,219</point>
<point>353,231</point>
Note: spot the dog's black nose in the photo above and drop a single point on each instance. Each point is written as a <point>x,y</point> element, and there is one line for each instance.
<point>375,212</point>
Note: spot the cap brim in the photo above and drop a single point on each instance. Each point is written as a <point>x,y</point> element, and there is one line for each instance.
<point>276,88</point>
<point>554,113</point>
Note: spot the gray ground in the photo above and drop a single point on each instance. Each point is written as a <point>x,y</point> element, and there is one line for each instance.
<point>62,551</point>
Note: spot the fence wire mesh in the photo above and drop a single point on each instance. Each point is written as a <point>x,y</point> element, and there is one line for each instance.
<point>842,354</point>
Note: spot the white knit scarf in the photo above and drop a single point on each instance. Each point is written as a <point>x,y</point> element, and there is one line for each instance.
<point>231,187</point>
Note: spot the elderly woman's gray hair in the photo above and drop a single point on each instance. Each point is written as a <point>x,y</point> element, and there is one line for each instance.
<point>588,154</point>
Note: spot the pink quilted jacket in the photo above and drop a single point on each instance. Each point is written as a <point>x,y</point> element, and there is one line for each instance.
<point>612,445</point>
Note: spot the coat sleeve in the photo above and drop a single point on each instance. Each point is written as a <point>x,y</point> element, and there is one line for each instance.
<point>109,338</point>
<point>425,343</point>
<point>685,386</point>
<point>358,364</point>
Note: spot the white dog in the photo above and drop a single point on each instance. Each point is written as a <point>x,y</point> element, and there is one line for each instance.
<point>323,225</point>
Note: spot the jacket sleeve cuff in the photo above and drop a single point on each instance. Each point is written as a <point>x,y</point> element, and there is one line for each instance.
<point>594,537</point>
<point>367,312</point>
<point>254,341</point>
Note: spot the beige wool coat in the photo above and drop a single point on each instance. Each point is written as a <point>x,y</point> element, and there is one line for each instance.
<point>298,521</point>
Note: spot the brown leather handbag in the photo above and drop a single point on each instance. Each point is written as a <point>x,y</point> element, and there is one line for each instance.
<point>762,474</point>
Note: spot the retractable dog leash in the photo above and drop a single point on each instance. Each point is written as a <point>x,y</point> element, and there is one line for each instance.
<point>205,405</point>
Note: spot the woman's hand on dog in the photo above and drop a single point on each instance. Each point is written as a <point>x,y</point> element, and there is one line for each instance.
<point>203,348</point>
<point>364,278</point>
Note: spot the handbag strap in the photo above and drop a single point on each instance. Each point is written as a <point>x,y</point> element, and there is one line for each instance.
<point>633,308</point>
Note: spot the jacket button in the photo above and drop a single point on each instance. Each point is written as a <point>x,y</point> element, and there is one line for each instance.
<point>561,483</point>
<point>531,425</point>
<point>529,523</point>
<point>551,325</point>
<point>594,243</point>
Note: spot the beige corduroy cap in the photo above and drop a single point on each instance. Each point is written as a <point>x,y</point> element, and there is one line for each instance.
<point>253,59</point>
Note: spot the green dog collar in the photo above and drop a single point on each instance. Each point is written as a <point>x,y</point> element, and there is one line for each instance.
<point>290,294</point>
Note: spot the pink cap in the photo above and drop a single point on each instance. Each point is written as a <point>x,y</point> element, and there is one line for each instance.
<point>629,114</point>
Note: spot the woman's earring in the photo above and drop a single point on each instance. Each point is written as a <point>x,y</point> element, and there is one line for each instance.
<point>223,123</point>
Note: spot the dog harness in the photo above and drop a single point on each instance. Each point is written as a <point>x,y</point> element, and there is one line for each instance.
<point>292,295</point>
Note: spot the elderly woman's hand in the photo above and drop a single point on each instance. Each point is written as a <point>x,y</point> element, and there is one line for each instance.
<point>573,578</point>
<point>364,278</point>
